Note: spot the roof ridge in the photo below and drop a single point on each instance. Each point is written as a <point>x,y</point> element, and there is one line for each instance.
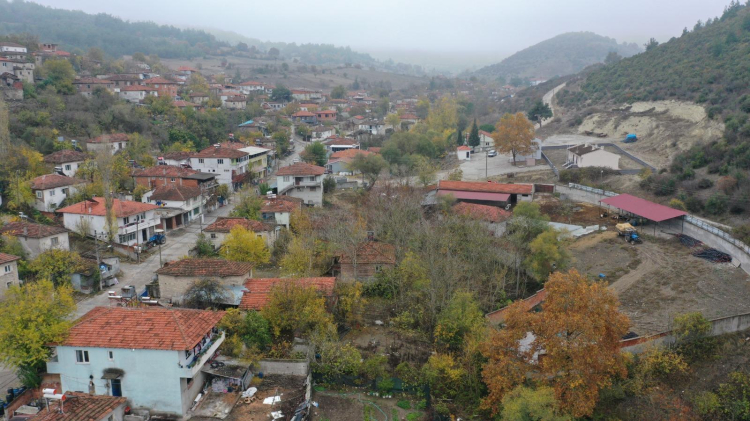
<point>179,326</point>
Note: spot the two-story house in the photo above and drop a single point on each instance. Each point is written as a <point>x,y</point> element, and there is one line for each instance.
<point>278,209</point>
<point>326,115</point>
<point>8,272</point>
<point>67,160</point>
<point>51,189</point>
<point>37,238</point>
<point>257,160</point>
<point>137,93</point>
<point>164,87</point>
<point>21,69</point>
<point>151,355</point>
<point>87,85</point>
<point>228,164</point>
<point>169,175</point>
<point>135,221</point>
<point>304,117</point>
<point>178,204</point>
<point>108,142</point>
<point>301,180</point>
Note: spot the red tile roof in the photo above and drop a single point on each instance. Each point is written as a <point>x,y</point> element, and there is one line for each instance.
<point>301,168</point>
<point>258,293</point>
<point>225,224</point>
<point>53,181</point>
<point>175,193</point>
<point>408,117</point>
<point>281,204</point>
<point>177,156</point>
<point>95,206</point>
<point>186,69</point>
<point>110,138</point>
<point>498,316</point>
<point>374,149</point>
<point>303,114</point>
<point>371,252</point>
<point>137,88</point>
<point>7,258</point>
<point>200,268</point>
<point>65,155</point>
<point>183,104</point>
<point>31,230</point>
<point>464,148</point>
<point>159,81</point>
<point>340,141</point>
<point>483,212</point>
<point>157,328</point>
<point>350,153</point>
<point>488,134</point>
<point>485,187</point>
<point>81,407</point>
<point>219,152</point>
<point>165,171</point>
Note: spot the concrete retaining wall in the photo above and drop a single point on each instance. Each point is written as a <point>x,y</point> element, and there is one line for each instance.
<point>289,367</point>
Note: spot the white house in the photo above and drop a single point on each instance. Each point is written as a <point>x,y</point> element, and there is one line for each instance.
<point>51,189</point>
<point>229,165</point>
<point>151,355</point>
<point>464,153</point>
<point>108,142</point>
<point>12,47</point>
<point>178,202</point>
<point>278,209</point>
<point>8,272</point>
<point>585,155</point>
<point>219,230</point>
<point>486,140</point>
<point>176,159</point>
<point>301,180</point>
<point>137,93</point>
<point>336,144</point>
<point>37,238</point>
<point>373,126</point>
<point>67,160</point>
<point>322,132</point>
<point>136,221</point>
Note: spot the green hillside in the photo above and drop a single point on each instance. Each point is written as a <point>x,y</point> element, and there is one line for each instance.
<point>562,55</point>
<point>78,30</point>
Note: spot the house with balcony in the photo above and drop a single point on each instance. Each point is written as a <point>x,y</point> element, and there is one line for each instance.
<point>177,175</point>
<point>229,165</point>
<point>304,117</point>
<point>51,190</point>
<point>303,181</point>
<point>67,160</point>
<point>135,221</point>
<point>278,209</point>
<point>37,238</point>
<point>178,205</point>
<point>153,356</point>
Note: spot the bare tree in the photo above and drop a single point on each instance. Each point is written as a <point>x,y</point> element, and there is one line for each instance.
<point>205,293</point>
<point>104,165</point>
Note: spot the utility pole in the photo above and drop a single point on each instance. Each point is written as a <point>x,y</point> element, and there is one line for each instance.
<point>486,156</point>
<point>18,189</point>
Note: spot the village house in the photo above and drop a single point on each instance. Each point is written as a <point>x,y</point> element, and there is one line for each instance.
<point>306,95</point>
<point>238,102</point>
<point>258,290</point>
<point>151,355</point>
<point>108,142</point>
<point>87,85</point>
<point>326,115</point>
<point>365,261</point>
<point>124,80</point>
<point>178,204</point>
<point>337,144</point>
<point>137,93</point>
<point>52,189</point>
<point>586,155</point>
<point>219,230</point>
<point>199,98</point>
<point>178,159</point>
<point>408,120</point>
<point>136,221</point>
<point>494,217</point>
<point>373,127</point>
<point>483,192</point>
<point>66,161</point>
<point>175,278</point>
<point>275,106</point>
<point>11,88</point>
<point>37,238</point>
<point>187,70</point>
<point>485,139</point>
<point>464,153</point>
<point>304,117</point>
<point>253,86</point>
<point>21,69</point>
<point>8,272</point>
<point>8,48</point>
<point>301,180</point>
<point>278,209</point>
<point>339,161</point>
<point>83,406</point>
<point>162,176</point>
<point>322,132</point>
<point>228,164</point>
<point>164,87</point>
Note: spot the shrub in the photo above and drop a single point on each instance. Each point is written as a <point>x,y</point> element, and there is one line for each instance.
<point>706,403</point>
<point>691,331</point>
<point>717,204</point>
<point>677,204</point>
<point>403,404</point>
<point>705,183</point>
<point>385,385</point>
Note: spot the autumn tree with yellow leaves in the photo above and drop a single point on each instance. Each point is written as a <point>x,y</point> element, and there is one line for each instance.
<point>572,345</point>
<point>514,134</point>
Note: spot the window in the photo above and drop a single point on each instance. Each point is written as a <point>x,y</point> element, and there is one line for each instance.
<point>219,161</point>
<point>172,180</point>
<point>39,194</point>
<point>313,188</point>
<point>54,241</point>
<point>65,191</point>
<point>67,167</point>
<point>82,357</point>
<point>213,236</point>
<point>8,284</point>
<point>8,268</point>
<point>200,160</point>
<point>124,238</point>
<point>312,178</point>
<point>52,192</point>
<point>126,220</point>
<point>286,178</point>
<point>111,355</point>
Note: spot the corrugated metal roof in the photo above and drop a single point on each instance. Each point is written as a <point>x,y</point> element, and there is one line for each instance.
<point>643,207</point>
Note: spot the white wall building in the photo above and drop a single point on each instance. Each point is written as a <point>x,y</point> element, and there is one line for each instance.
<point>67,160</point>
<point>301,180</point>
<point>51,189</point>
<point>581,156</point>
<point>8,272</point>
<point>229,165</point>
<point>137,93</point>
<point>37,238</point>
<point>136,221</point>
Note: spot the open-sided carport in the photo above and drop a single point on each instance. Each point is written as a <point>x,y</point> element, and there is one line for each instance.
<point>654,212</point>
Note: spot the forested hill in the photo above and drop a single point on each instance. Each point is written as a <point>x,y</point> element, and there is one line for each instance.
<point>79,30</point>
<point>562,55</point>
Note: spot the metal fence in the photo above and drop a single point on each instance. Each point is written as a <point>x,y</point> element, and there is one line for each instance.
<point>688,218</point>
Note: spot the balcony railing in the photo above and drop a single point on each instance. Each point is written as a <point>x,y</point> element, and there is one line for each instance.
<point>199,359</point>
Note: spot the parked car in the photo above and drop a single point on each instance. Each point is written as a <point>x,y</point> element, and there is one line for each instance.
<point>492,153</point>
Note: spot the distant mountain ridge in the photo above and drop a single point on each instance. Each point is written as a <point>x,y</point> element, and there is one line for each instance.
<point>564,54</point>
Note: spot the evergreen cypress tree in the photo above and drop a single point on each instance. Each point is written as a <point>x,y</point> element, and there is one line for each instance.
<point>474,134</point>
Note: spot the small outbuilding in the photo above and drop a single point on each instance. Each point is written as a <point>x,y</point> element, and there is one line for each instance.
<point>644,211</point>
<point>464,153</point>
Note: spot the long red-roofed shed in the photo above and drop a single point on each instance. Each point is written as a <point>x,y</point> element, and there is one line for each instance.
<point>643,208</point>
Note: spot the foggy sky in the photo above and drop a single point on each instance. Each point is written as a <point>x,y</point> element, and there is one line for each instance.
<point>497,28</point>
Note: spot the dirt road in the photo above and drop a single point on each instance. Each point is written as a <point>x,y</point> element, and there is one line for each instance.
<point>547,98</point>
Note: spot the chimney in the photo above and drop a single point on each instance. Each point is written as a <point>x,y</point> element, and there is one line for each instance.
<point>25,230</point>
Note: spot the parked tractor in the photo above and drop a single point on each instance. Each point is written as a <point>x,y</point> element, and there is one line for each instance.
<point>629,233</point>
<point>156,239</point>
